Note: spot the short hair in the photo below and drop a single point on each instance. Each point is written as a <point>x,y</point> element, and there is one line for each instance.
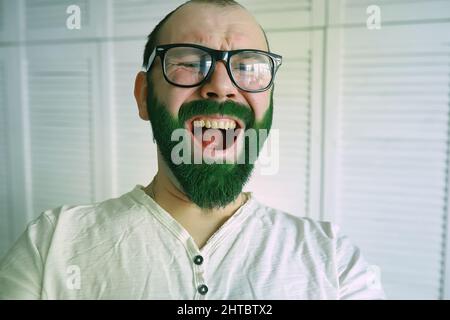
<point>153,37</point>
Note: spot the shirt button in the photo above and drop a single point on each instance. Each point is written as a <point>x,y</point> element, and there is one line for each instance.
<point>202,289</point>
<point>198,260</point>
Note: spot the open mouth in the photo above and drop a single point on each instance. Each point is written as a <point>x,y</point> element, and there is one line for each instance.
<point>216,132</point>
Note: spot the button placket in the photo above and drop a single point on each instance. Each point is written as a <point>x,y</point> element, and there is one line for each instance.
<point>201,287</point>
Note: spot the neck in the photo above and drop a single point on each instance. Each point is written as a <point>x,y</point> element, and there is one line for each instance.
<point>171,198</point>
<point>200,223</point>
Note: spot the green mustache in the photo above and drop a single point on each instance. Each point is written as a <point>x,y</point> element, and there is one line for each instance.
<point>208,107</point>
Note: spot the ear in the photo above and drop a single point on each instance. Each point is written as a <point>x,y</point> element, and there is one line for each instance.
<point>140,94</point>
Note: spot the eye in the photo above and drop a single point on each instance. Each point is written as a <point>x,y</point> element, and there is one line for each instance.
<point>245,67</point>
<point>188,64</point>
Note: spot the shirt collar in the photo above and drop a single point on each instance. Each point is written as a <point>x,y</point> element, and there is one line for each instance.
<point>232,225</point>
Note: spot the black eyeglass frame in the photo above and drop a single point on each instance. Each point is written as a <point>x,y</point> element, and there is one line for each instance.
<point>216,55</point>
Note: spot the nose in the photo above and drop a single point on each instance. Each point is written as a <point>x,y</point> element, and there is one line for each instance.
<point>219,85</point>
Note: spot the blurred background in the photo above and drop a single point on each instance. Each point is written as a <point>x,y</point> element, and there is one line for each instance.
<point>361,104</point>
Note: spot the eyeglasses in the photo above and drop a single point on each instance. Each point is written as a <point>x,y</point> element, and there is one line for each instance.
<point>190,65</point>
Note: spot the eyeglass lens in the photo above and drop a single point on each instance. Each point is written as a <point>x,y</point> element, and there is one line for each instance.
<point>189,66</point>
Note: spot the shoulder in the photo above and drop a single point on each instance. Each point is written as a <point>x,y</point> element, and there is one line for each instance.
<point>324,245</point>
<point>276,218</point>
<point>280,217</point>
<point>86,214</point>
<point>69,225</point>
<point>75,223</point>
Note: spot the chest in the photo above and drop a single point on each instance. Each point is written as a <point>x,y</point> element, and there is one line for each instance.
<point>229,273</point>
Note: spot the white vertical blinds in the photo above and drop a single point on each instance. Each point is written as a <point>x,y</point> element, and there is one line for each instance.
<point>137,18</point>
<point>9,21</point>
<point>4,163</point>
<point>291,14</point>
<point>139,11</point>
<point>45,14</point>
<point>46,19</point>
<point>395,10</point>
<point>12,199</point>
<point>2,16</point>
<point>60,120</point>
<point>393,152</point>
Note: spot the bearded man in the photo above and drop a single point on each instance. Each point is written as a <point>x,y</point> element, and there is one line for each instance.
<point>192,233</point>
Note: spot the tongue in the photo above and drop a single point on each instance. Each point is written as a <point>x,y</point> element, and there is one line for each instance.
<point>211,139</point>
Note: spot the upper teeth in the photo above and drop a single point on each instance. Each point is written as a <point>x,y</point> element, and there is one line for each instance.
<point>215,124</point>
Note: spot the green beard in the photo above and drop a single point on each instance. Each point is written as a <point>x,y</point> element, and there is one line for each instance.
<point>214,185</point>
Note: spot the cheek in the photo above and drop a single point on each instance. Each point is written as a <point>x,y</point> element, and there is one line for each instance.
<point>260,104</point>
<point>171,96</point>
<point>173,101</point>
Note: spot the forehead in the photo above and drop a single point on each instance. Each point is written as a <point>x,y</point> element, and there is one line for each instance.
<point>224,28</point>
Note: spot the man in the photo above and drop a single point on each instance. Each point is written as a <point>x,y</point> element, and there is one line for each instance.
<point>192,233</point>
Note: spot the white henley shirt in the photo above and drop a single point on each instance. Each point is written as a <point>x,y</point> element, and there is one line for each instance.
<point>130,248</point>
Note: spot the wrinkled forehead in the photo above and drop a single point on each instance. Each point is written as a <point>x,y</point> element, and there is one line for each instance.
<point>225,28</point>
